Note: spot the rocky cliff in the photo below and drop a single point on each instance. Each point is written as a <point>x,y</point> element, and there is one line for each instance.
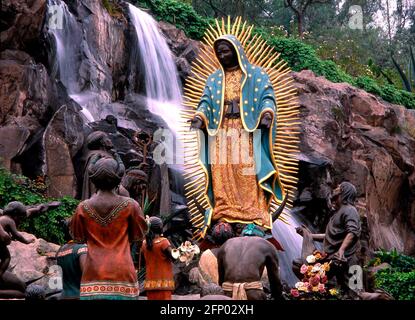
<point>347,134</point>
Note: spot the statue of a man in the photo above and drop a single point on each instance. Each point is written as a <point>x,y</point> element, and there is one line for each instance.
<point>136,181</point>
<point>100,146</point>
<point>241,262</point>
<point>341,239</point>
<point>238,101</point>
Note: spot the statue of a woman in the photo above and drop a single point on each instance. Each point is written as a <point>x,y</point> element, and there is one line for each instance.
<point>237,111</point>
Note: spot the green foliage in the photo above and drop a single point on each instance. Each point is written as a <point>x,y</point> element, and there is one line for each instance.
<point>399,280</point>
<point>181,14</point>
<point>401,285</point>
<point>387,92</point>
<point>296,52</point>
<point>301,56</point>
<point>17,188</point>
<point>397,261</point>
<point>45,225</point>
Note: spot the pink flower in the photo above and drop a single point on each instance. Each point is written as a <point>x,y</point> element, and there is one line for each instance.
<point>321,288</point>
<point>324,279</point>
<point>303,269</point>
<point>295,293</point>
<point>315,280</point>
<point>309,287</point>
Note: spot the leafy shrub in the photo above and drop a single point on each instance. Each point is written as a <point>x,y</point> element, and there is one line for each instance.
<point>399,280</point>
<point>46,225</point>
<point>181,14</point>
<point>299,55</point>
<point>401,285</point>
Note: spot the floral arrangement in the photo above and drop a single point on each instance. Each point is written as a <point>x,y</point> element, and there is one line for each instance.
<point>315,278</point>
<point>185,252</point>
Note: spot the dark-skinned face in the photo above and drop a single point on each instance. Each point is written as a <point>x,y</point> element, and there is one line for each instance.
<point>107,143</point>
<point>336,198</point>
<point>226,55</point>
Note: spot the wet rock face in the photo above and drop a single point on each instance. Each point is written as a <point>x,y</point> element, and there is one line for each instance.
<point>63,138</point>
<point>27,101</point>
<point>22,23</point>
<point>184,49</point>
<point>348,134</point>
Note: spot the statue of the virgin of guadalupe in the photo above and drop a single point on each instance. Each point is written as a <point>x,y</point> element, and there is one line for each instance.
<point>241,164</point>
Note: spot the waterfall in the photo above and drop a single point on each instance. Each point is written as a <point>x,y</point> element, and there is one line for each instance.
<point>160,72</point>
<point>67,35</point>
<point>291,242</point>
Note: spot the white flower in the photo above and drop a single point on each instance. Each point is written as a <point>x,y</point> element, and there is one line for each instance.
<point>311,259</point>
<point>316,268</point>
<point>299,284</point>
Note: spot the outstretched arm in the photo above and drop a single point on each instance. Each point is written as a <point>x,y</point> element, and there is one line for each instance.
<point>16,234</point>
<point>318,236</point>
<point>167,253</point>
<point>42,208</point>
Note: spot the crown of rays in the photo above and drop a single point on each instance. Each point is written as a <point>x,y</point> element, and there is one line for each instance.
<point>286,148</point>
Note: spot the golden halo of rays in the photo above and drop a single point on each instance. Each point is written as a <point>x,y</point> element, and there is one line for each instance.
<point>286,148</point>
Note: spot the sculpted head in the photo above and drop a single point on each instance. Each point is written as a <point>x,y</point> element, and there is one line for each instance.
<point>105,174</point>
<point>345,193</point>
<point>15,209</point>
<point>156,225</point>
<point>221,232</point>
<point>135,180</point>
<point>99,140</point>
<point>226,54</point>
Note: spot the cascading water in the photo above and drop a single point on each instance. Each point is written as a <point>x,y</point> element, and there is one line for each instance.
<point>160,73</point>
<point>68,37</point>
<point>291,242</point>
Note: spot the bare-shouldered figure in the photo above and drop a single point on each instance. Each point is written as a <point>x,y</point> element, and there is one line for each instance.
<point>10,285</point>
<point>241,262</point>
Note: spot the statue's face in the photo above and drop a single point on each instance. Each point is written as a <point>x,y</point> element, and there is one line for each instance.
<point>336,198</point>
<point>107,143</point>
<point>226,54</point>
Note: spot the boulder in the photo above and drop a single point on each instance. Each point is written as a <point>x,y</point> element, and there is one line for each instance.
<point>22,22</point>
<point>63,138</point>
<point>362,139</point>
<point>33,262</point>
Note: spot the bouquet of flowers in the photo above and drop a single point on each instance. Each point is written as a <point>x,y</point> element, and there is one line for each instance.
<point>185,252</point>
<point>315,279</point>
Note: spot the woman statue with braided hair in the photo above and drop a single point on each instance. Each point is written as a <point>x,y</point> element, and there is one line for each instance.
<point>108,223</point>
<point>157,251</point>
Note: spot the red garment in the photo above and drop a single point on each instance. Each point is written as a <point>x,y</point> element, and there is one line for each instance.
<point>159,295</point>
<point>109,271</point>
<point>159,270</point>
